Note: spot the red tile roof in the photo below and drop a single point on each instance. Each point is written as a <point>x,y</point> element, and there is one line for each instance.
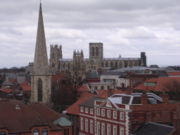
<point>74,108</point>
<point>6,90</point>
<point>160,84</point>
<point>25,86</point>
<point>57,77</point>
<point>104,93</point>
<point>18,117</point>
<point>173,73</point>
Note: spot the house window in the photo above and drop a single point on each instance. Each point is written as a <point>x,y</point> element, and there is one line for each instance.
<point>103,129</point>
<point>102,112</point>
<point>86,125</point>
<point>98,128</point>
<point>91,127</point>
<point>44,132</point>
<point>91,111</point>
<point>114,130</point>
<point>114,115</point>
<point>121,115</point>
<point>82,109</point>
<point>86,110</point>
<point>108,129</point>
<point>36,132</point>
<point>98,111</point>
<point>109,113</point>
<point>121,130</point>
<point>82,123</point>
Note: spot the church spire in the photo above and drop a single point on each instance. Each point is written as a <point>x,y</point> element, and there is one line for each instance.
<point>40,60</point>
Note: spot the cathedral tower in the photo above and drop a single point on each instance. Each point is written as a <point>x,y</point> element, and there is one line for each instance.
<point>55,56</point>
<point>40,79</point>
<point>96,51</point>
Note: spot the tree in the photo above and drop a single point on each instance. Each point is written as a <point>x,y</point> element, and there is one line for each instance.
<point>173,89</point>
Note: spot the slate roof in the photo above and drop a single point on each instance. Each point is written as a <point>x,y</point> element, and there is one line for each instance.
<point>154,129</point>
<point>90,102</point>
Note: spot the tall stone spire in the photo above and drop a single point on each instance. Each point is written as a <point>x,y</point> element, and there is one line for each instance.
<point>41,77</point>
<point>40,59</point>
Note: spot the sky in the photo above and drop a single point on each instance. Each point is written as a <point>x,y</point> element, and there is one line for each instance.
<point>125,27</point>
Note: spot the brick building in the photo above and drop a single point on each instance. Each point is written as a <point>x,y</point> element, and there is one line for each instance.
<point>32,119</point>
<point>122,114</point>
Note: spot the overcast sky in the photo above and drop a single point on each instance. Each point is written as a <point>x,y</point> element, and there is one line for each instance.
<point>126,27</point>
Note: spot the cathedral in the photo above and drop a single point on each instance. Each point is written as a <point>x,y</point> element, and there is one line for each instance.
<point>96,61</point>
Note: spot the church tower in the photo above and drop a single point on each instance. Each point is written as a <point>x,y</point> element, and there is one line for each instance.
<point>41,78</point>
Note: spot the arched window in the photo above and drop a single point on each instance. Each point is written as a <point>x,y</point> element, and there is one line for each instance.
<point>39,89</point>
<point>45,132</point>
<point>36,132</point>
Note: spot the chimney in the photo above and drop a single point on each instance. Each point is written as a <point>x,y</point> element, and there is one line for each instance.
<point>144,99</point>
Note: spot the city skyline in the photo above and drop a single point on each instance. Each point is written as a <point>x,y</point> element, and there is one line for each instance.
<point>125,28</point>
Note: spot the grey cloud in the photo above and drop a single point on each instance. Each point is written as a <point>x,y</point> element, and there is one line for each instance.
<point>125,27</point>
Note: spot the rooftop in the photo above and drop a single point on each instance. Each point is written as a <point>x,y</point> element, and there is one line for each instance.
<point>134,98</point>
<point>154,129</point>
<point>18,117</point>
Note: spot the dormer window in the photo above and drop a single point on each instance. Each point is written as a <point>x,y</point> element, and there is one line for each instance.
<point>36,132</point>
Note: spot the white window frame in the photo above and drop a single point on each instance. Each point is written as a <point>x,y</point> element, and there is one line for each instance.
<point>103,129</point>
<point>82,123</point>
<point>98,111</point>
<point>81,109</point>
<point>114,129</point>
<point>86,110</point>
<point>122,116</point>
<point>121,130</point>
<point>86,125</point>
<point>91,111</point>
<point>108,113</point>
<point>108,129</point>
<point>103,112</point>
<point>98,128</point>
<point>114,114</point>
<point>91,127</point>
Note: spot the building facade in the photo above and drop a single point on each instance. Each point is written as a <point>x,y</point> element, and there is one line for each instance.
<point>122,114</point>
